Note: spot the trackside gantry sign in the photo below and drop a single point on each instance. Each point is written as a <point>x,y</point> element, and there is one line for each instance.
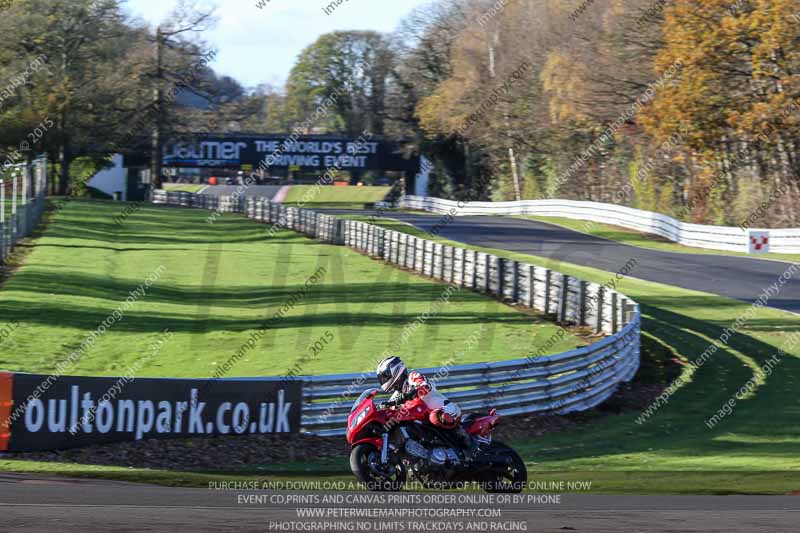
<point>47,412</point>
<point>306,152</point>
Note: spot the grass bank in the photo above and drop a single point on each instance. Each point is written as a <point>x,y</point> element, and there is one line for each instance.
<point>184,187</point>
<point>311,196</point>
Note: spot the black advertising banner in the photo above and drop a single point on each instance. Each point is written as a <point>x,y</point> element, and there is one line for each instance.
<point>313,152</point>
<point>52,412</point>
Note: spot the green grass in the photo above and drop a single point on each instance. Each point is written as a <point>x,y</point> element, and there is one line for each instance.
<point>754,450</point>
<point>645,240</point>
<point>184,187</point>
<point>314,474</point>
<point>330,196</point>
<point>219,283</point>
<point>172,478</point>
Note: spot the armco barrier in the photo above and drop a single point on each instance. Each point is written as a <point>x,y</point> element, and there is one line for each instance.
<point>782,241</point>
<point>573,381</point>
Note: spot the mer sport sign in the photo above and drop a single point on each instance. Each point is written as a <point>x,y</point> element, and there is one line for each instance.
<point>306,152</point>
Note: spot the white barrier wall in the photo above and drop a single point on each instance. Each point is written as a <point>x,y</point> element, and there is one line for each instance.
<point>784,241</point>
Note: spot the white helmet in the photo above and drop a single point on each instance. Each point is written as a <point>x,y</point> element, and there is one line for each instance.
<point>392,372</point>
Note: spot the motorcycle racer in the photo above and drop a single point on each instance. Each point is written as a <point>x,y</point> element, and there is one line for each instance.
<point>394,377</point>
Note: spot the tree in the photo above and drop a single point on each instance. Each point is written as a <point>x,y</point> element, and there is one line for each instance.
<point>178,58</point>
<point>738,94</point>
<point>84,43</point>
<point>354,66</point>
<point>426,43</point>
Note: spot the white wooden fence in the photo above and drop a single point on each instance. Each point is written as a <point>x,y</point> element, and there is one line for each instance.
<point>785,241</point>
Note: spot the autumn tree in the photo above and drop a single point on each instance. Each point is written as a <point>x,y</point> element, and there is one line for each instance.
<point>738,94</point>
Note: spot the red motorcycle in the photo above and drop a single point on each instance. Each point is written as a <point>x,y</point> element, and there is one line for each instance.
<point>392,438</point>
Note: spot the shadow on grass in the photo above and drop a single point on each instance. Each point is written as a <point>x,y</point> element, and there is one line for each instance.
<point>762,425</point>
<point>89,317</point>
<point>240,296</point>
<point>153,226</point>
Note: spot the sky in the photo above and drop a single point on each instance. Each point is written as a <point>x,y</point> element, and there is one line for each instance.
<point>260,45</point>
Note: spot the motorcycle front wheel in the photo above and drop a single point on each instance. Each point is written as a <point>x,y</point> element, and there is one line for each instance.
<point>365,462</point>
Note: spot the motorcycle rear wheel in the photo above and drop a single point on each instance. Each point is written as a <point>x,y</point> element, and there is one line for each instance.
<point>508,479</point>
<point>365,462</point>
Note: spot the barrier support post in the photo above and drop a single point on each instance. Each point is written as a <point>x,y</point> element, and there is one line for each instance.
<point>548,286</point>
<point>515,281</point>
<point>600,304</point>
<point>487,273</point>
<point>501,278</point>
<point>563,300</point>
<point>582,296</point>
<point>614,313</point>
<point>531,286</point>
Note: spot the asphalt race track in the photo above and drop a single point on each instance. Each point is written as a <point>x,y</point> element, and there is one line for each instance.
<point>100,506</point>
<point>741,278</point>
